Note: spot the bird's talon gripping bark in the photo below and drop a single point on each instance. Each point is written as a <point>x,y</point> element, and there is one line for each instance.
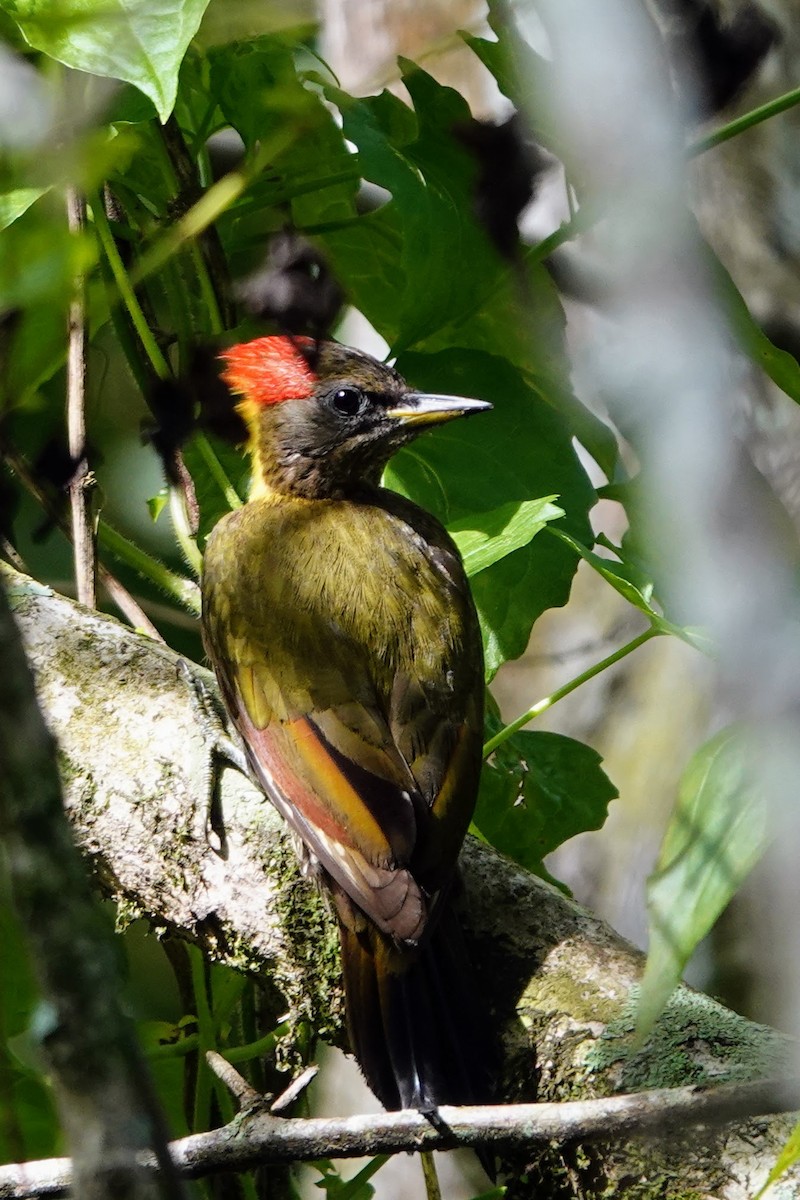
<point>209,717</point>
<point>222,747</point>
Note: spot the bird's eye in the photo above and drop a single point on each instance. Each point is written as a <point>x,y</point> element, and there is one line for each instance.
<point>349,401</point>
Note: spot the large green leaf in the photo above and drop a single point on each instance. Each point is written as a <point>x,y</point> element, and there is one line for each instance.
<point>422,268</point>
<point>539,790</point>
<point>517,452</point>
<point>485,538</point>
<point>446,259</point>
<point>139,41</point>
<point>715,836</point>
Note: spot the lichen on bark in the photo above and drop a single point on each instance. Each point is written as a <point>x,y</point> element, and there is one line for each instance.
<point>559,985</point>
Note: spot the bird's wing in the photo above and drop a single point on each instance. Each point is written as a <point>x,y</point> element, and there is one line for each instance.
<point>359,821</point>
<point>374,767</point>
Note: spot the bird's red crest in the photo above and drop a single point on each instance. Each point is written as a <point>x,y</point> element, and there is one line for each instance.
<point>269,369</point>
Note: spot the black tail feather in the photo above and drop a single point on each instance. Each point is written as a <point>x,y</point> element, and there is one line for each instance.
<point>414,1019</point>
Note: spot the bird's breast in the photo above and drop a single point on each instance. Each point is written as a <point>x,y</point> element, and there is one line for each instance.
<point>311,574</point>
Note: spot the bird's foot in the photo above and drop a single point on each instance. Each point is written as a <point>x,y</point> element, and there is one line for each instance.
<point>223,747</point>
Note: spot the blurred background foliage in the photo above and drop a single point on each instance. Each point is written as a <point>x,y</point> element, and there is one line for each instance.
<point>236,182</point>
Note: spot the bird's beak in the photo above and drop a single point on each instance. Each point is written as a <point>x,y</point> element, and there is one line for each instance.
<point>420,408</point>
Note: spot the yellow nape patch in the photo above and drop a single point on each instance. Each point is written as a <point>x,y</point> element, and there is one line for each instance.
<point>251,413</point>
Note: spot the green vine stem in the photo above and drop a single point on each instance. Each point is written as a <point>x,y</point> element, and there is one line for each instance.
<point>180,526</point>
<point>126,290</point>
<point>211,205</point>
<point>162,369</point>
<point>206,1040</point>
<point>559,694</point>
<point>258,1049</point>
<point>185,591</point>
<point>233,1054</point>
<point>741,124</point>
<point>217,472</point>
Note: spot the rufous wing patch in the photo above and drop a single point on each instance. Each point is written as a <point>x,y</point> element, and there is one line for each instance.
<point>303,778</point>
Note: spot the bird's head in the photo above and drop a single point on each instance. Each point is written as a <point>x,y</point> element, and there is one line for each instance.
<point>322,419</point>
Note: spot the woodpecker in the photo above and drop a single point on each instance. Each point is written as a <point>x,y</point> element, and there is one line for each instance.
<point>339,621</point>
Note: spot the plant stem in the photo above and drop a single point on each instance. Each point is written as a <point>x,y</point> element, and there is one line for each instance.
<point>207,1040</point>
<point>559,694</point>
<point>217,471</point>
<point>125,288</point>
<point>183,535</point>
<point>211,205</point>
<point>82,483</point>
<point>747,121</point>
<point>185,591</point>
<point>258,1049</point>
<point>185,1045</point>
<point>432,1189</point>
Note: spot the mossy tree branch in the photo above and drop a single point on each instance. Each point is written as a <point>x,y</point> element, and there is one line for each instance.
<point>98,1073</point>
<point>560,984</point>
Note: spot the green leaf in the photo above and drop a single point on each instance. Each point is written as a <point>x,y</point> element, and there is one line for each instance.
<point>522,75</point>
<point>367,256</point>
<point>139,41</point>
<point>539,790</point>
<point>422,268</point>
<point>556,790</point>
<point>485,538</point>
<point>781,367</point>
<point>510,455</point>
<point>715,836</point>
<point>39,259</point>
<point>632,582</point>
<point>13,204</point>
<point>789,1155</point>
<point>356,1188</point>
<point>431,178</point>
<point>156,504</point>
<point>625,578</point>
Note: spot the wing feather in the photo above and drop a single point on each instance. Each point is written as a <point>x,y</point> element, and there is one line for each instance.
<point>360,706</point>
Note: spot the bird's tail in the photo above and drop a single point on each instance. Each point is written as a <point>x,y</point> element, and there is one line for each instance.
<point>414,1019</point>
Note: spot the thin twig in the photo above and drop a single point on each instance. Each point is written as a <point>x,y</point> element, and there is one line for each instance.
<point>259,1137</point>
<point>433,1189</point>
<point>295,1089</point>
<point>9,553</point>
<point>236,1084</point>
<point>130,608</point>
<point>82,482</point>
<point>127,605</point>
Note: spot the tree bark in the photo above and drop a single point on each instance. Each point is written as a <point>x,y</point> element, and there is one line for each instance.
<point>561,985</point>
<point>86,1041</point>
